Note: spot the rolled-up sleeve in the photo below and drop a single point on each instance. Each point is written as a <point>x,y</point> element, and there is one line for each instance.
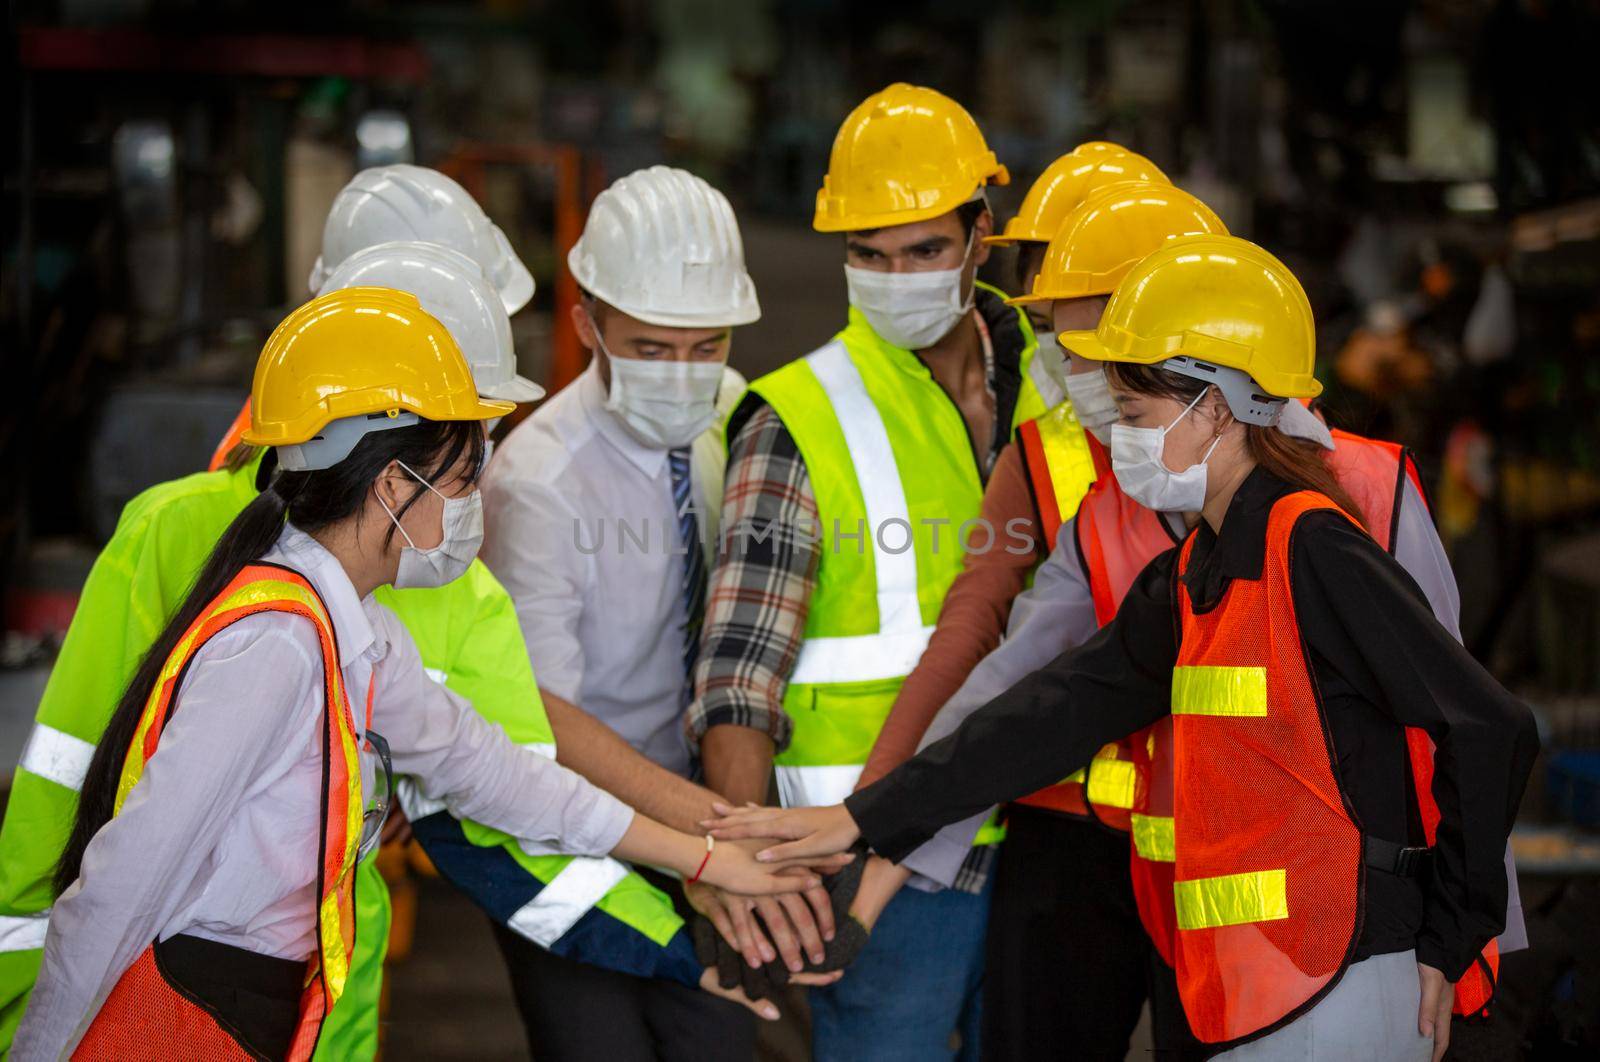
<point>457,758</point>
<point>761,584</point>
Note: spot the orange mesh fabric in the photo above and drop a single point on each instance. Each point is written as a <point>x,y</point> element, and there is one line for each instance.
<point>145,1018</point>
<point>260,588</point>
<point>1152,877</point>
<point>1257,794</point>
<point>1372,471</point>
<point>1116,537</point>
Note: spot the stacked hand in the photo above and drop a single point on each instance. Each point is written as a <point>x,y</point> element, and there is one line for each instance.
<point>812,833</point>
<point>731,941</point>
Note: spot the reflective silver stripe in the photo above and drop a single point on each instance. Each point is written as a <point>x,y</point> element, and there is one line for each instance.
<point>24,932</point>
<point>1049,390</point>
<point>901,637</point>
<point>815,787</point>
<point>418,805</point>
<point>438,676</point>
<point>414,802</point>
<point>57,755</point>
<point>567,898</point>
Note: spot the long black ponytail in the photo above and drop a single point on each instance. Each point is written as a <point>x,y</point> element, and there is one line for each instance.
<point>311,501</point>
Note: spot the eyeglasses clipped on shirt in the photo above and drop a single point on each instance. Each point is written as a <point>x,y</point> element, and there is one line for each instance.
<point>377,809</point>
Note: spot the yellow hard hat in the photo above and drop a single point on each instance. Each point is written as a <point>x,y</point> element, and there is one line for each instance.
<point>904,154</point>
<point>1215,299</point>
<point>1067,182</point>
<point>1108,233</point>
<point>357,351</point>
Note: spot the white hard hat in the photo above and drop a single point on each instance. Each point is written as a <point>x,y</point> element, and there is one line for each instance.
<point>389,203</point>
<point>662,245</point>
<point>452,288</point>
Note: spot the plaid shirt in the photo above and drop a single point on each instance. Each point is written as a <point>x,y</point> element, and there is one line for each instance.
<point>766,570</point>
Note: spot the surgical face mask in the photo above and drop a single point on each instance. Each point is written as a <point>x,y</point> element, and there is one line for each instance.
<point>1144,477</point>
<point>665,405</point>
<point>1051,358</point>
<point>911,310</point>
<point>449,560</point>
<point>1091,401</point>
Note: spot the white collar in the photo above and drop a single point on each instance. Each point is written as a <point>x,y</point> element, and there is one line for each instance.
<point>351,624</point>
<point>592,390</point>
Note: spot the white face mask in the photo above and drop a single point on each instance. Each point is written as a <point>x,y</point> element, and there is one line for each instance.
<point>1091,401</point>
<point>911,310</point>
<point>1049,355</point>
<point>449,560</point>
<point>663,404</point>
<point>1144,477</point>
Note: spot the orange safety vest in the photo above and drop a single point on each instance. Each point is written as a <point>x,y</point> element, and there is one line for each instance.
<point>145,1017</point>
<point>1374,473</point>
<point>1268,867</point>
<point>1116,538</point>
<point>1112,532</point>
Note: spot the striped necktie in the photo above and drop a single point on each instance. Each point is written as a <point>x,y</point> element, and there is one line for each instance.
<point>694,561</point>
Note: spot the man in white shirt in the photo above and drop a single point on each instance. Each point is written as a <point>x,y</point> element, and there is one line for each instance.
<point>600,515</point>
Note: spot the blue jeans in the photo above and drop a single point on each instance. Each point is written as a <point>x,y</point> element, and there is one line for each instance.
<point>919,979</point>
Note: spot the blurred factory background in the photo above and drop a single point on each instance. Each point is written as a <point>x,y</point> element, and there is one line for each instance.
<point>1430,169</point>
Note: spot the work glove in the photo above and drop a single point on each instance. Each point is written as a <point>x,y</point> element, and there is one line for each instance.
<point>849,935</point>
<point>713,951</point>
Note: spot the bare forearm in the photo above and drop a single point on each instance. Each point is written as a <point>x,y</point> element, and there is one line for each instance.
<point>592,749</point>
<point>879,883</point>
<point>738,763</point>
<point>648,841</point>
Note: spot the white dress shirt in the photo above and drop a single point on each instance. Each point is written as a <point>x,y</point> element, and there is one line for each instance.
<point>219,838</point>
<point>567,500</point>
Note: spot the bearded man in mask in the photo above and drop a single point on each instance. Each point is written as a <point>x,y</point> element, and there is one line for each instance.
<point>854,483</point>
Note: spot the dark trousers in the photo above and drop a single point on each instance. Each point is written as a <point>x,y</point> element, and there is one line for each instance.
<point>1068,960</point>
<point>579,1012</point>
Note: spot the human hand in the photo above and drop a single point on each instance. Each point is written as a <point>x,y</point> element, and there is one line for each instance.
<point>733,868</point>
<point>880,881</point>
<point>764,1009</point>
<point>1433,1014</point>
<point>812,833</point>
<point>732,972</point>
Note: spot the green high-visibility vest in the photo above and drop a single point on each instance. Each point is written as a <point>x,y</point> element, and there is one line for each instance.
<point>898,489</point>
<point>467,635</point>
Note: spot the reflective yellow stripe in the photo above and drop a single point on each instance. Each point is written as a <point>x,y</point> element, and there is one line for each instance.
<point>335,961</point>
<point>257,592</point>
<point>1066,457</point>
<point>1231,691</point>
<point>993,831</point>
<point>1152,837</point>
<point>1112,782</point>
<point>1232,900</point>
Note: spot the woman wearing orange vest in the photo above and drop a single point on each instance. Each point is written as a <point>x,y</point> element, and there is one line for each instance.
<point>207,906</point>
<point>1292,654</point>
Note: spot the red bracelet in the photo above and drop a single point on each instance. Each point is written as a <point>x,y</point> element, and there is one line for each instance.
<point>711,842</point>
